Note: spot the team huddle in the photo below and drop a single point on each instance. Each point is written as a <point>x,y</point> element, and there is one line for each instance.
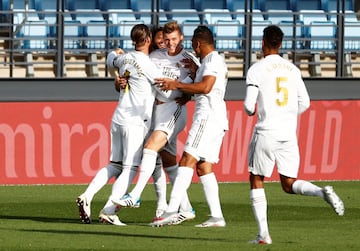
<point>155,81</point>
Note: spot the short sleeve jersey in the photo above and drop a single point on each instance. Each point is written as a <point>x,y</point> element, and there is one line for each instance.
<point>213,103</point>
<point>172,67</point>
<point>136,102</point>
<point>281,93</point>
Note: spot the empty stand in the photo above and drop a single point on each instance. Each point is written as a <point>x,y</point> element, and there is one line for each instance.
<point>227,35</point>
<point>276,16</point>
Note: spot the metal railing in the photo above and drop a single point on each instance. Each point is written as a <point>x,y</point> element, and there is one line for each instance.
<point>72,43</point>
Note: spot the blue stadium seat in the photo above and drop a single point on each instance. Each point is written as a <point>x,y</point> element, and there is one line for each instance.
<point>349,16</point>
<point>95,36</point>
<point>72,35</point>
<point>256,15</point>
<point>180,15</point>
<point>227,35</point>
<point>125,27</point>
<point>257,33</point>
<point>116,16</point>
<point>308,16</point>
<point>211,16</point>
<point>146,15</point>
<point>188,27</point>
<point>276,15</point>
<point>86,15</point>
<point>311,5</point>
<point>332,5</point>
<point>278,5</point>
<point>322,36</point>
<point>289,36</point>
<point>240,4</point>
<point>352,36</point>
<point>35,35</point>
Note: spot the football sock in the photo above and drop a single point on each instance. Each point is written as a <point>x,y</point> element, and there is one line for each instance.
<point>259,205</point>
<point>101,179</point>
<point>120,186</point>
<point>181,184</point>
<point>146,170</point>
<point>211,190</point>
<point>185,204</point>
<point>159,179</point>
<point>306,188</point>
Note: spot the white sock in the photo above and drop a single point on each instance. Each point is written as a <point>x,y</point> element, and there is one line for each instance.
<point>185,204</point>
<point>146,170</point>
<point>180,186</point>
<point>306,188</point>
<point>101,178</point>
<point>120,187</point>
<point>211,190</point>
<point>159,179</point>
<point>259,205</point>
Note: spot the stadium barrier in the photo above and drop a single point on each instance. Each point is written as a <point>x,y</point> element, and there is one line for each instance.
<point>67,142</point>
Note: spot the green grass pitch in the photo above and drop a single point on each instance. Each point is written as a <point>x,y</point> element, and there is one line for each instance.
<point>45,217</point>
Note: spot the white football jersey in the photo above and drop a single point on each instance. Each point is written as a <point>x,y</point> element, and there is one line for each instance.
<point>213,103</point>
<point>276,85</point>
<point>135,104</point>
<point>173,68</point>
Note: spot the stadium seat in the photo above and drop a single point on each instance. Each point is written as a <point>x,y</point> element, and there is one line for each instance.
<point>311,5</point>
<point>211,16</point>
<point>257,33</point>
<point>322,36</point>
<point>266,5</point>
<point>95,35</point>
<point>180,15</point>
<point>349,16</point>
<point>289,36</point>
<point>256,15</point>
<point>86,15</point>
<point>227,35</point>
<point>146,16</point>
<point>35,35</point>
<point>276,16</point>
<point>188,27</point>
<point>308,16</point>
<point>332,5</point>
<point>72,35</point>
<point>352,36</point>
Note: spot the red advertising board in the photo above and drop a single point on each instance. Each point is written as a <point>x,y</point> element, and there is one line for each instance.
<point>67,142</point>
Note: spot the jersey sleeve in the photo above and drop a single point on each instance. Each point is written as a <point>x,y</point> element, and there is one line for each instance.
<point>252,92</point>
<point>303,98</point>
<point>113,60</point>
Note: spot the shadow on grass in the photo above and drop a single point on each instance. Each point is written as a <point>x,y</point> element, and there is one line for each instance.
<point>117,233</point>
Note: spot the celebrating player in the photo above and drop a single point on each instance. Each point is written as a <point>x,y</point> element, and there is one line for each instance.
<point>206,133</point>
<point>277,87</point>
<point>170,120</point>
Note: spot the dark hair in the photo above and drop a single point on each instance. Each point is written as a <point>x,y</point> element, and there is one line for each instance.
<point>273,36</point>
<point>139,34</point>
<point>204,34</point>
<point>154,31</point>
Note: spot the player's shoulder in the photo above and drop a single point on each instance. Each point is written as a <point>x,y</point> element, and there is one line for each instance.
<point>159,52</point>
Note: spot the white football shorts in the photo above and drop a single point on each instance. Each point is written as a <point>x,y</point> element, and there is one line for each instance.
<point>204,140</point>
<point>171,119</point>
<point>127,143</point>
<point>265,152</point>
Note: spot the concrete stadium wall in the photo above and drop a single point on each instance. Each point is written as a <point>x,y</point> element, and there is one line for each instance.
<point>102,89</point>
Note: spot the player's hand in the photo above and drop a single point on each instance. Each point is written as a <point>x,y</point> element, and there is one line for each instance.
<point>183,99</point>
<point>191,65</point>
<point>119,51</point>
<point>166,84</point>
<point>120,83</point>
